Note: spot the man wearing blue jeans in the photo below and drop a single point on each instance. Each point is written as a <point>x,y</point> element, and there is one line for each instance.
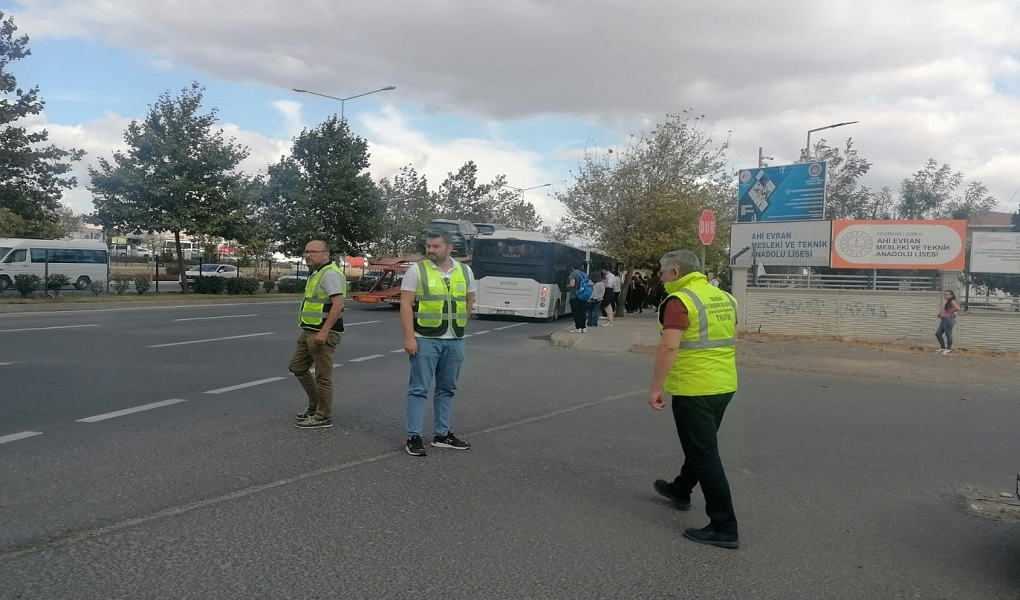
<point>436,297</point>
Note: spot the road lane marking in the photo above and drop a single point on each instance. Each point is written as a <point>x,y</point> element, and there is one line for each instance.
<point>19,436</point>
<point>241,386</point>
<point>211,318</point>
<point>75,537</point>
<point>361,323</point>
<point>398,350</point>
<point>364,358</point>
<point>29,313</point>
<point>128,411</point>
<point>46,328</point>
<point>510,326</point>
<point>4,364</point>
<point>220,339</point>
<point>482,332</point>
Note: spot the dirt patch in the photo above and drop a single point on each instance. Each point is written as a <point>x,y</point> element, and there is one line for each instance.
<point>1001,506</point>
<point>877,360</point>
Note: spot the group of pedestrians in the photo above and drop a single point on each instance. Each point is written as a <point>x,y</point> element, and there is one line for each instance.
<point>694,368</point>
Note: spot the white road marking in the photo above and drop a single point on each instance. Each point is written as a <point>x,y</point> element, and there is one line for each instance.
<point>510,326</point>
<point>164,307</point>
<point>361,323</point>
<point>5,364</point>
<point>128,411</point>
<point>210,318</point>
<point>46,328</point>
<point>398,350</point>
<point>19,436</point>
<point>241,386</point>
<point>364,358</point>
<point>482,332</point>
<point>232,337</point>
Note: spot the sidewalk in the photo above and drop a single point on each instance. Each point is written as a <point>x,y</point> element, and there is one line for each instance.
<point>636,332</point>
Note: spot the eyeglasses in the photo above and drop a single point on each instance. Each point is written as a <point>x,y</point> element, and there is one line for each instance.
<point>315,251</point>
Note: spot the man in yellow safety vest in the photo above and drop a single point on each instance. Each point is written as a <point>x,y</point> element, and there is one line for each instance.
<point>436,296</point>
<point>322,325</point>
<point>695,364</point>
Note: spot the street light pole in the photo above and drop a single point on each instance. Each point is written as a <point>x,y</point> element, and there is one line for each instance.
<point>344,100</point>
<point>522,190</point>
<point>762,158</point>
<point>807,147</point>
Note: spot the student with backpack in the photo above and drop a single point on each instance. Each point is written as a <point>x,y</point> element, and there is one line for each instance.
<point>579,290</point>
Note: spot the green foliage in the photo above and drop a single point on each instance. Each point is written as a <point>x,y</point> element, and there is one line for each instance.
<point>291,286</point>
<point>121,284</point>
<point>462,197</point>
<point>845,197</point>
<point>208,285</point>
<point>241,285</point>
<point>359,284</point>
<point>26,284</point>
<point>142,284</point>
<point>409,207</point>
<point>323,191</point>
<point>55,281</point>
<point>33,175</point>
<point>268,285</point>
<point>97,287</point>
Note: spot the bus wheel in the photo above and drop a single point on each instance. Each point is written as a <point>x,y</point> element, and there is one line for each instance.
<point>556,313</point>
<point>5,282</point>
<point>83,283</point>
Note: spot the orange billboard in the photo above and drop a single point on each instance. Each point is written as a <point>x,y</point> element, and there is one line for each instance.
<point>931,245</point>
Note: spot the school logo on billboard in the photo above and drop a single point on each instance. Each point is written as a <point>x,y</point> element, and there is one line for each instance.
<point>785,193</point>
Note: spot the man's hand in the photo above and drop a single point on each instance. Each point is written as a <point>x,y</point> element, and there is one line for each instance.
<point>657,400</point>
<point>321,337</point>
<point>411,346</point>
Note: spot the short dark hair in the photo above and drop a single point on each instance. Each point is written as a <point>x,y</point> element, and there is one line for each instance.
<point>578,266</point>
<point>432,234</point>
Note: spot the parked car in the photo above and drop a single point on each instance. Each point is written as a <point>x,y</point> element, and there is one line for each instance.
<point>490,228</point>
<point>211,271</point>
<point>463,233</point>
<point>298,275</point>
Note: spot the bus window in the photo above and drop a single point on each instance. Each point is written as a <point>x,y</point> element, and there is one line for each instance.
<point>20,255</point>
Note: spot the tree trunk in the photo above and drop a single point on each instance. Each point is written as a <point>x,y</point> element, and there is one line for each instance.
<point>180,262</point>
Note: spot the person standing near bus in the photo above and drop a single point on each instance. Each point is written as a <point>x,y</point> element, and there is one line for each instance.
<point>436,297</point>
<point>598,292</point>
<point>322,326</point>
<point>578,307</point>
<point>947,321</point>
<point>609,305</point>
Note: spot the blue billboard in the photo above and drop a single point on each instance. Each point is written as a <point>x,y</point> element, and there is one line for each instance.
<point>786,193</point>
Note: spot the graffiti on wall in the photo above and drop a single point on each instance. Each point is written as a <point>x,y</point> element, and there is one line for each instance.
<point>782,307</point>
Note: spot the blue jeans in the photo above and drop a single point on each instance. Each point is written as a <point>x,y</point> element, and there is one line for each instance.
<point>440,360</point>
<point>946,326</point>
<point>594,312</point>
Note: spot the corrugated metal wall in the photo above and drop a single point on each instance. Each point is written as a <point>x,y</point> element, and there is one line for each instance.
<point>998,331</point>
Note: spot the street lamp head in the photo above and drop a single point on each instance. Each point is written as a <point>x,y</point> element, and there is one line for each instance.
<point>393,87</point>
<point>299,90</point>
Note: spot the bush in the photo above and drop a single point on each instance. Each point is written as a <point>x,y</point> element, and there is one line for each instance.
<point>56,281</point>
<point>268,285</point>
<point>97,287</point>
<point>360,284</point>
<point>26,284</point>
<point>291,286</point>
<point>242,285</point>
<point>208,285</point>
<point>142,284</point>
<point>121,284</point>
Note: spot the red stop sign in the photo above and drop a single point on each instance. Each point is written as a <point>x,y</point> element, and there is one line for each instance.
<point>706,227</point>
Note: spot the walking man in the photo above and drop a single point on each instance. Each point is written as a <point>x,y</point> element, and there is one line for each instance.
<point>436,297</point>
<point>695,365</point>
<point>322,326</point>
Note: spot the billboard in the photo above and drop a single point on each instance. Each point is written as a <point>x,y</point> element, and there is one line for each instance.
<point>926,245</point>
<point>790,243</point>
<point>995,253</point>
<point>786,193</point>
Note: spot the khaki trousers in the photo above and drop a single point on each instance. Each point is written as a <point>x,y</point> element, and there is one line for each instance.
<point>319,387</point>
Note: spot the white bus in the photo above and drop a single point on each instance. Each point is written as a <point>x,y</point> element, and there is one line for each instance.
<point>188,249</point>
<point>524,274</point>
<point>83,261</point>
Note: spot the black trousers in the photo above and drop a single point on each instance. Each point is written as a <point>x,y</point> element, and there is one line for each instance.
<point>579,310</point>
<point>697,423</point>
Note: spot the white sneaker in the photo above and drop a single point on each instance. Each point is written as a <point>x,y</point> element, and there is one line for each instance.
<point>576,330</point>
<point>946,351</point>
<point>585,330</point>
<point>940,350</point>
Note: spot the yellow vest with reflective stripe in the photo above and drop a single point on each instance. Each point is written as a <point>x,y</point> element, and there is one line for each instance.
<point>436,306</point>
<point>706,362</point>
<point>315,307</point>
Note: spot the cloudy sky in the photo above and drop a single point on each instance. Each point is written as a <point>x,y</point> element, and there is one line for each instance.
<point>522,86</point>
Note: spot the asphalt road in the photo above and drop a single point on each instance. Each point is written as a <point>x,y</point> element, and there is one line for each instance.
<point>844,488</point>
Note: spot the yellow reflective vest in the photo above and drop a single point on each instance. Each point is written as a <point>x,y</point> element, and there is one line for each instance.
<point>438,306</point>
<point>706,362</point>
<point>315,307</point>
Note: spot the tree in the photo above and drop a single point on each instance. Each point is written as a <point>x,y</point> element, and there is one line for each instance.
<point>644,201</point>
<point>507,206</point>
<point>323,191</point>
<point>845,197</point>
<point>409,207</point>
<point>33,175</point>
<point>461,197</point>
<point>927,193</point>
<point>976,201</point>
<point>177,175</point>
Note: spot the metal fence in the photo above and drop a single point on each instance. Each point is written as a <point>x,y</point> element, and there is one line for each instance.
<point>983,300</point>
<point>923,283</point>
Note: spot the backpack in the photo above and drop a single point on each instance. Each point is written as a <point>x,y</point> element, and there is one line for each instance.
<point>584,289</point>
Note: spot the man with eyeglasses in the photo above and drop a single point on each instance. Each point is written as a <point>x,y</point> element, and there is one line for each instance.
<point>322,326</point>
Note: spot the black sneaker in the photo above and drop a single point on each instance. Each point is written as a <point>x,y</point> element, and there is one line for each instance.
<point>712,537</point>
<point>313,423</point>
<point>450,441</point>
<point>415,447</point>
<point>679,499</point>
<point>308,414</point>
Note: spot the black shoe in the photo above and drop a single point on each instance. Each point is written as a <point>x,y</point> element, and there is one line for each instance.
<point>313,423</point>
<point>450,441</point>
<point>415,447</point>
<point>680,499</point>
<point>308,414</point>
<point>712,537</point>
